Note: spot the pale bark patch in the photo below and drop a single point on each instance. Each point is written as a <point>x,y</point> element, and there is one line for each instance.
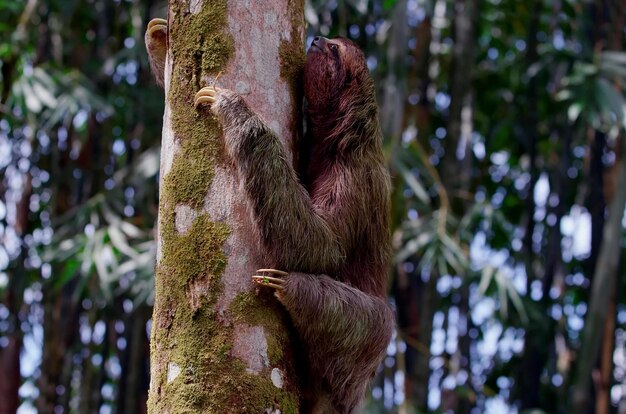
<point>169,147</point>
<point>222,194</point>
<point>225,202</point>
<point>257,65</point>
<point>250,345</point>
<point>277,378</point>
<point>194,6</point>
<point>173,371</point>
<point>242,88</point>
<point>276,127</point>
<point>270,20</point>
<point>184,217</point>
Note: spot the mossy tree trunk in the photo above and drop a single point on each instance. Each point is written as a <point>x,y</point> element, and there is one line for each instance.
<point>217,346</point>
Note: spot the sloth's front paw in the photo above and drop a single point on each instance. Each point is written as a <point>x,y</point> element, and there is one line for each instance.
<point>267,278</point>
<point>156,32</point>
<point>206,95</point>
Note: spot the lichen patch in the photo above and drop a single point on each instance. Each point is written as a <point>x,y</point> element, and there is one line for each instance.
<point>184,217</point>
<point>194,6</point>
<point>277,377</point>
<point>173,371</point>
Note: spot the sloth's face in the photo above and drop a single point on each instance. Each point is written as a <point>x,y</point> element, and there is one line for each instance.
<point>332,65</point>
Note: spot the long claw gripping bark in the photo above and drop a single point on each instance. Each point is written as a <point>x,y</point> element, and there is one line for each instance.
<point>277,272</point>
<point>205,95</point>
<point>156,25</point>
<point>157,21</point>
<point>205,100</point>
<point>269,281</point>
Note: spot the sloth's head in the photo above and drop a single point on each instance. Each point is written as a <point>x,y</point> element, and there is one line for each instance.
<point>333,67</point>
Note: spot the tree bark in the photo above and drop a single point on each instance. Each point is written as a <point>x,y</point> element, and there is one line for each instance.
<point>603,387</point>
<point>133,400</point>
<point>216,345</point>
<point>393,120</point>
<point>457,164</point>
<point>457,143</point>
<point>532,360</point>
<point>10,380</point>
<point>604,282</point>
<point>605,373</point>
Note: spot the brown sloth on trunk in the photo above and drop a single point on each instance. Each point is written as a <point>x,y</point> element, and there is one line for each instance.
<point>326,228</point>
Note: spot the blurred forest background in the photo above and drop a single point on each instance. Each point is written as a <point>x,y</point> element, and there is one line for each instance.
<point>504,124</point>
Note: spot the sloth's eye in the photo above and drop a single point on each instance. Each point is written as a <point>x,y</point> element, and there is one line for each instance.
<point>333,47</point>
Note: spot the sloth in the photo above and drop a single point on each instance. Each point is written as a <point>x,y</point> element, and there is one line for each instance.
<point>325,223</point>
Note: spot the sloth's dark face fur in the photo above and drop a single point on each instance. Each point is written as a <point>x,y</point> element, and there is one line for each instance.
<point>333,66</point>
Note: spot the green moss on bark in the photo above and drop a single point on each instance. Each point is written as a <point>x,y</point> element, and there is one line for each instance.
<point>183,330</point>
<point>292,59</point>
<point>199,46</point>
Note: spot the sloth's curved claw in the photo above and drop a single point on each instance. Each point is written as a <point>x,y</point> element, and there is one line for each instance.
<point>157,21</point>
<point>206,95</point>
<point>269,280</point>
<point>266,280</point>
<point>278,272</point>
<point>156,25</point>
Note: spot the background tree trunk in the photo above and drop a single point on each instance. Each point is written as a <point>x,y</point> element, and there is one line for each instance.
<point>602,287</point>
<point>216,346</point>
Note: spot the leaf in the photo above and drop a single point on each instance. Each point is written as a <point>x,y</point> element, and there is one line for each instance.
<point>131,230</point>
<point>500,280</point>
<point>608,99</point>
<point>33,104</point>
<point>563,95</point>
<point>388,4</point>
<point>145,166</point>
<point>618,58</point>
<point>412,182</point>
<point>517,302</point>
<point>412,247</point>
<point>585,69</point>
<point>485,280</point>
<point>442,267</point>
<point>429,256</point>
<point>145,260</point>
<point>101,258</point>
<point>457,258</point>
<point>611,69</point>
<point>119,241</point>
<point>574,111</point>
<point>66,273</point>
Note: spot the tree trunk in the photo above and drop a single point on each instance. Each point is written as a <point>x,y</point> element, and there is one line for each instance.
<point>10,380</point>
<point>456,166</point>
<point>430,303</point>
<point>603,284</point>
<point>603,388</point>
<point>393,119</point>
<point>605,373</point>
<point>216,345</point>
<point>133,394</point>
<point>533,357</point>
